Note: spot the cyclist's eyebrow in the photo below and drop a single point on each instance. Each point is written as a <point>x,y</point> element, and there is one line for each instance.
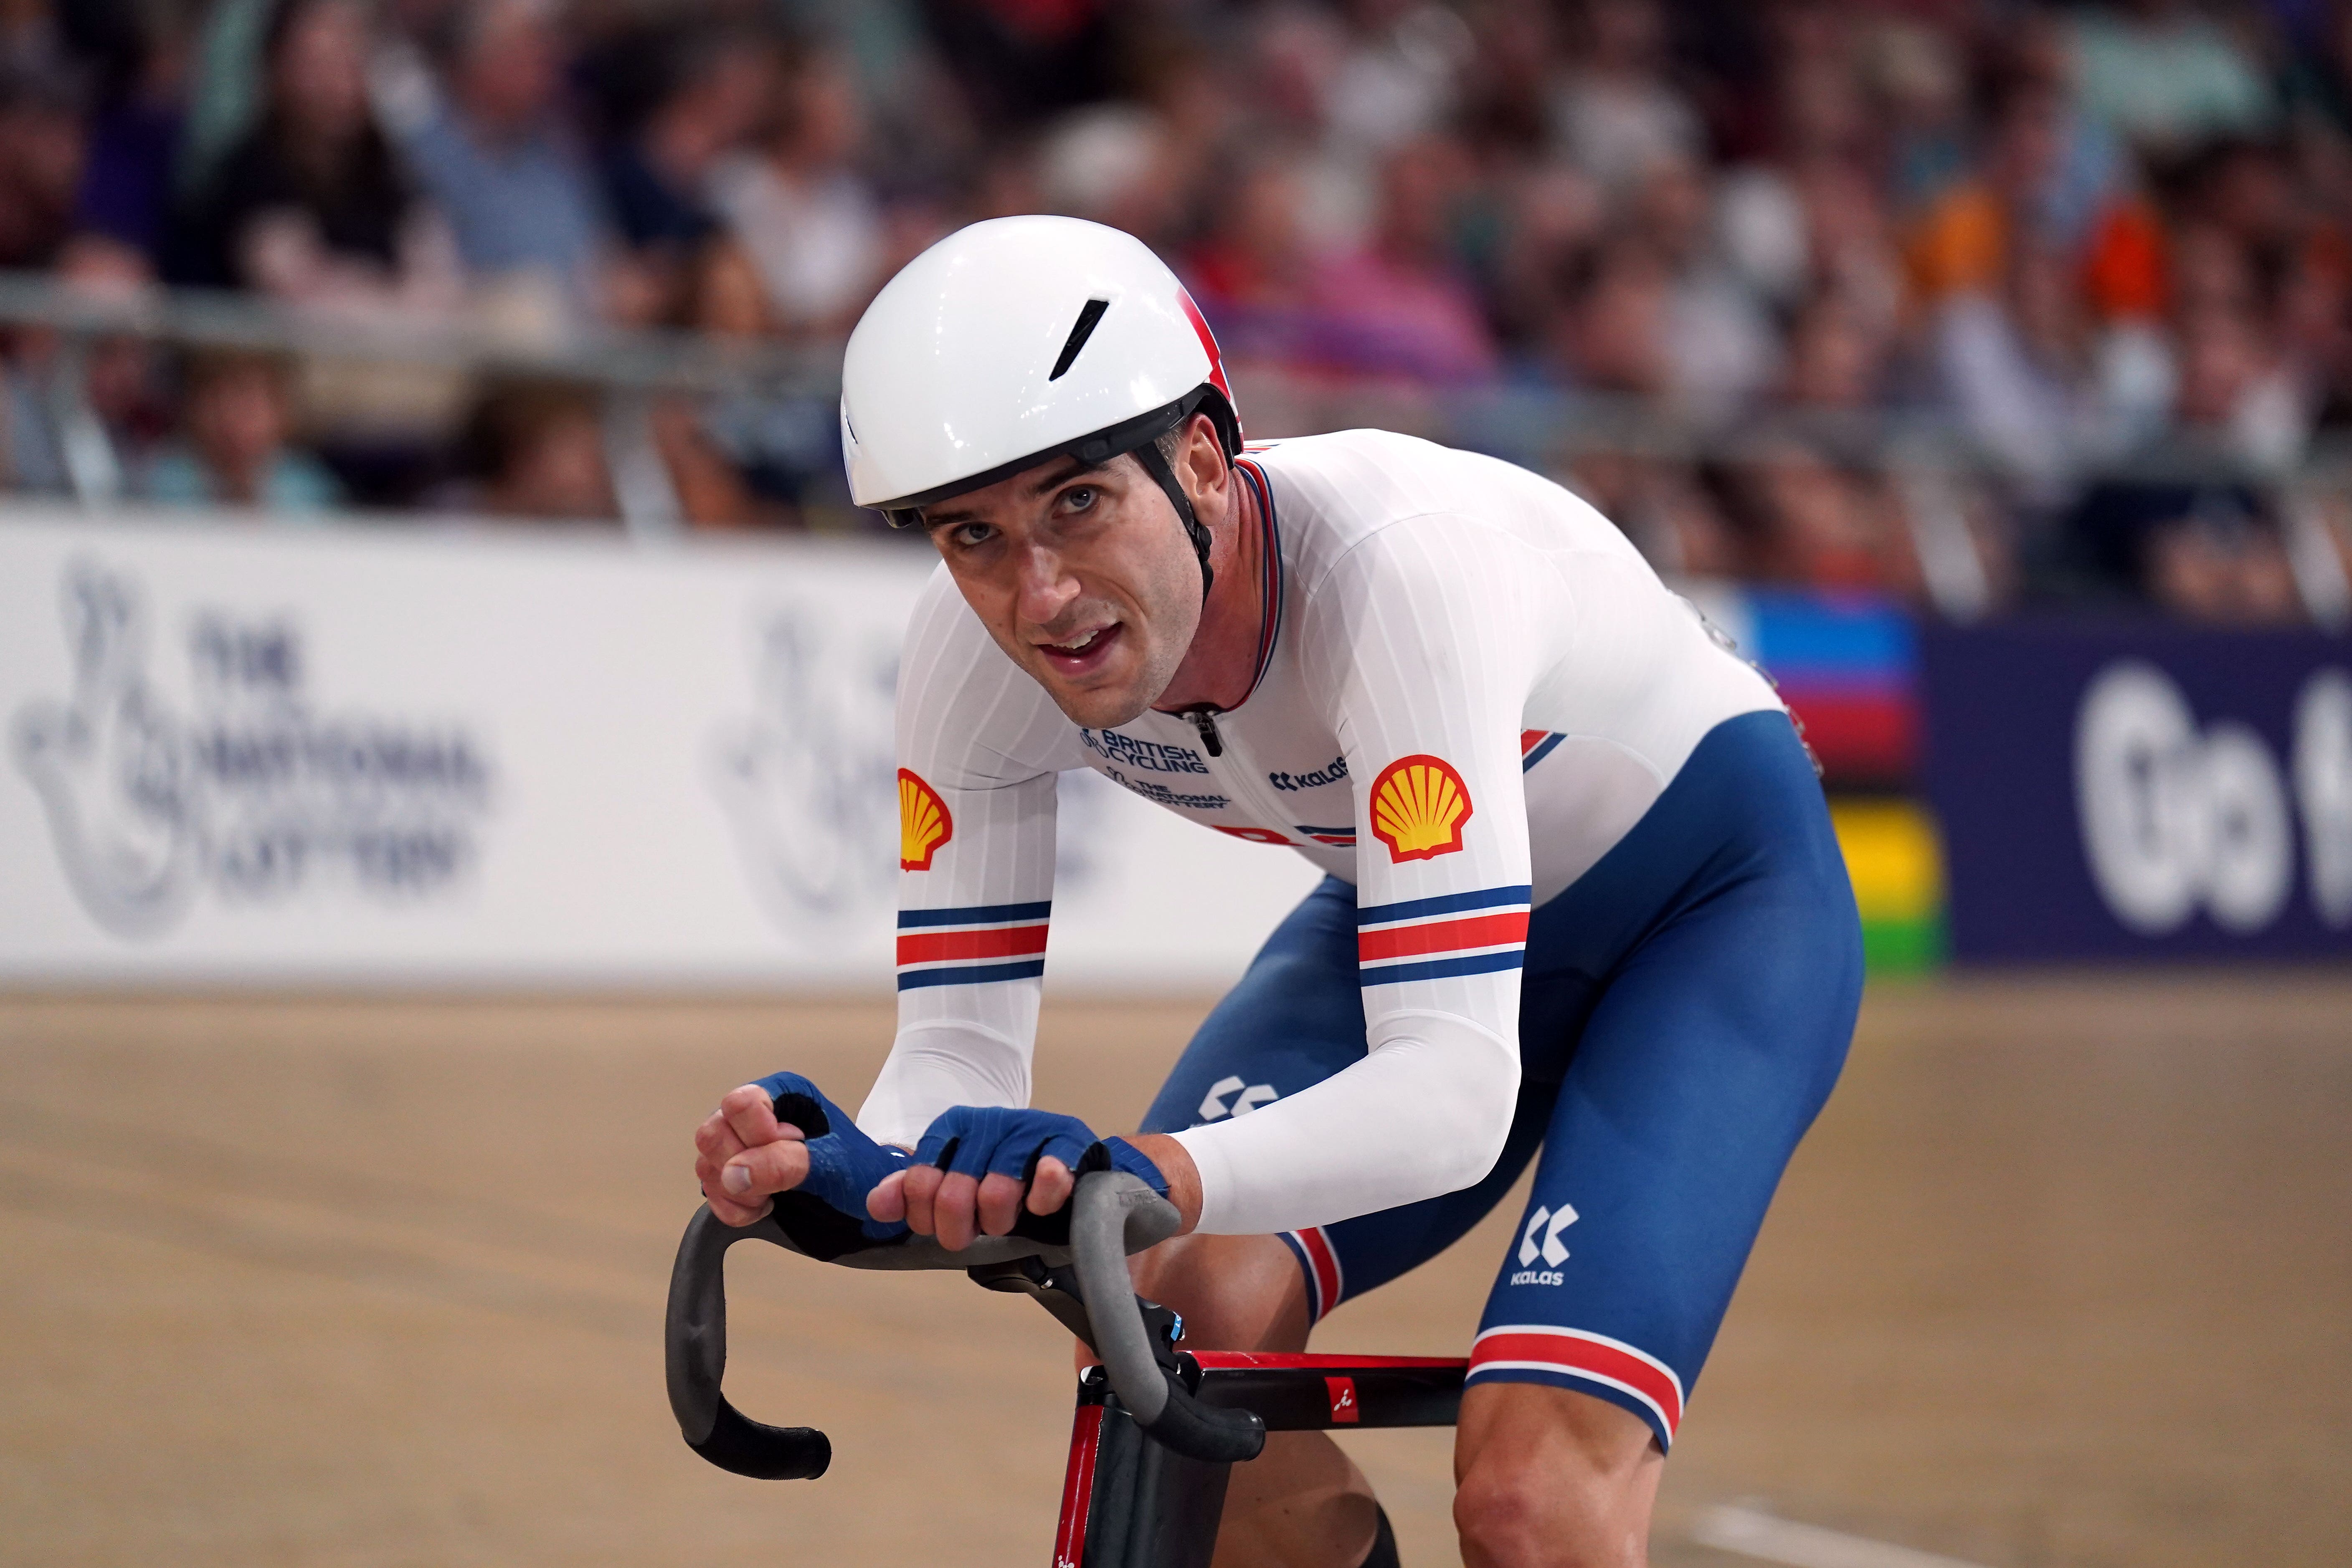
<point>1055,481</point>
<point>1050,482</point>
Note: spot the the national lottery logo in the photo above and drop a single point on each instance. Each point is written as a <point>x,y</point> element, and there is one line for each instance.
<point>924,823</point>
<point>1418,804</point>
<point>247,789</point>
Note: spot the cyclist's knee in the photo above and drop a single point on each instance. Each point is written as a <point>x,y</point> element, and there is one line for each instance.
<point>1552,1479</point>
<point>1236,1292</point>
<point>1519,1517</point>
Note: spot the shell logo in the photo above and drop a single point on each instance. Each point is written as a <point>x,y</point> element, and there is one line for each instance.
<point>1418,804</point>
<point>923,822</point>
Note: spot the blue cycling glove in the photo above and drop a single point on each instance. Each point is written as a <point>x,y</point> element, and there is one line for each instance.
<point>826,1216</point>
<point>982,1140</point>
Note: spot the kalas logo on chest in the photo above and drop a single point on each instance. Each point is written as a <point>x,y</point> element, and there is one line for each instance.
<point>1331,773</point>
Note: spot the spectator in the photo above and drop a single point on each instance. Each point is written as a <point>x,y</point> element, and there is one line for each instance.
<point>1664,510</point>
<point>226,90</point>
<point>1609,332</point>
<point>1916,81</point>
<point>799,213</point>
<point>2014,367</point>
<point>1019,62</point>
<point>521,196</point>
<point>2165,76</point>
<point>1508,87</point>
<point>711,91</point>
<point>1552,215</point>
<point>1614,112</point>
<point>1961,243</point>
<point>1116,164</point>
<point>1253,272</point>
<point>114,398</point>
<point>126,192</point>
<point>41,164</point>
<point>1718,342</point>
<point>1394,80</point>
<point>2207,548</point>
<point>234,449</point>
<point>32,459</point>
<point>311,207</point>
<point>1819,524</point>
<point>122,378</point>
<point>1401,303</point>
<point>535,450</point>
<point>1835,360</point>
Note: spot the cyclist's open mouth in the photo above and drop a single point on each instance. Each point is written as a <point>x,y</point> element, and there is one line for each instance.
<point>1083,654</point>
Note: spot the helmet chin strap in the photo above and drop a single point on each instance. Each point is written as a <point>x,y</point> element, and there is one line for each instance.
<point>1156,465</point>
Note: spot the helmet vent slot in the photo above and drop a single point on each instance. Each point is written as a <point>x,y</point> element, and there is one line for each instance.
<point>1080,331</point>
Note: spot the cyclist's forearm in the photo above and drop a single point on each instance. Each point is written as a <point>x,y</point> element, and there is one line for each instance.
<point>939,1064</point>
<point>1425,1113</point>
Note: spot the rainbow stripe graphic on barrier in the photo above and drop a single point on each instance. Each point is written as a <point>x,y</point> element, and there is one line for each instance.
<point>1896,859</point>
<point>1848,665</point>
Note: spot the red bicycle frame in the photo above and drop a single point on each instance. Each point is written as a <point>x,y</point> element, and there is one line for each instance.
<point>1129,1502</point>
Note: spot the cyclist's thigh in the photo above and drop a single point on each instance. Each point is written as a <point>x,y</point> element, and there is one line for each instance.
<point>1295,1018</point>
<point>1708,1054</point>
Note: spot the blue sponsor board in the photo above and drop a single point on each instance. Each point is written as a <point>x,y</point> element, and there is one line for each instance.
<point>2133,790</point>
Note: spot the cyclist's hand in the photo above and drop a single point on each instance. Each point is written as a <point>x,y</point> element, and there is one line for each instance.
<point>742,1155</point>
<point>979,1168</point>
<point>779,1145</point>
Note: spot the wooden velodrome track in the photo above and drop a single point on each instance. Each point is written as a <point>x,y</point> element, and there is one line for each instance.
<point>2063,1276</point>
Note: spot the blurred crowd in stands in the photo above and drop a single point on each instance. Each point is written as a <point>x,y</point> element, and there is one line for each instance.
<point>1765,242</point>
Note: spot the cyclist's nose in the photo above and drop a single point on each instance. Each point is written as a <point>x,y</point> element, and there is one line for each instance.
<point>1044,586</point>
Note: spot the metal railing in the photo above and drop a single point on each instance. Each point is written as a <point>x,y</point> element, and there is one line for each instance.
<point>1927,457</point>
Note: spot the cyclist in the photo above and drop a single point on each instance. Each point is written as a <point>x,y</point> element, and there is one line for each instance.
<point>1581,891</point>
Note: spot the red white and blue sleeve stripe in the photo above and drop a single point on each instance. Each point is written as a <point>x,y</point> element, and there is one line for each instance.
<point>974,946</point>
<point>1478,932</point>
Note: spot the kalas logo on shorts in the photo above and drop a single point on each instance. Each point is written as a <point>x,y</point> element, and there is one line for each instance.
<point>1418,804</point>
<point>923,822</point>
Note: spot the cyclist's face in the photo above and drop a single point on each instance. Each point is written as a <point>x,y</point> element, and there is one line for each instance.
<point>1084,577</point>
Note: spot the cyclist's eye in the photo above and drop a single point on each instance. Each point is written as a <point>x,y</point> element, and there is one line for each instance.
<point>971,535</point>
<point>1080,498</point>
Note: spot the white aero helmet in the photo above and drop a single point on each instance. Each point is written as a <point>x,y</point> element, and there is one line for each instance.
<point>1017,341</point>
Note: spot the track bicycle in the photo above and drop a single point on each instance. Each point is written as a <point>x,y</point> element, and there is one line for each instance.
<point>1158,1430</point>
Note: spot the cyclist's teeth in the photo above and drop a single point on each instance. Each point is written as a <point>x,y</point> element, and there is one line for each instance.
<point>1080,646</point>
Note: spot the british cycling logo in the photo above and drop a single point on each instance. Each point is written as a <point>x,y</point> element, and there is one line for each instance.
<point>251,792</point>
<point>1153,756</point>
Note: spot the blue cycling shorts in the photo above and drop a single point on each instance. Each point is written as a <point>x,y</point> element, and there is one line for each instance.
<point>1687,1007</point>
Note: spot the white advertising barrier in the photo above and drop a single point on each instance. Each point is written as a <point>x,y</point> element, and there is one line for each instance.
<point>357,756</point>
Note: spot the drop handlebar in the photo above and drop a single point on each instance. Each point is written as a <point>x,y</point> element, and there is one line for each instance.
<point>1086,1286</point>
